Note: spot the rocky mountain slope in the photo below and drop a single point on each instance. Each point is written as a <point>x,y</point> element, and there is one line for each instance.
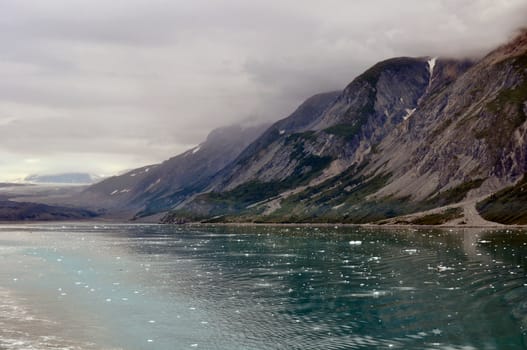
<point>158,187</point>
<point>408,135</point>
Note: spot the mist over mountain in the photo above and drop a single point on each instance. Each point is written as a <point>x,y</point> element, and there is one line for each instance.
<point>427,135</point>
<point>159,187</point>
<point>63,178</point>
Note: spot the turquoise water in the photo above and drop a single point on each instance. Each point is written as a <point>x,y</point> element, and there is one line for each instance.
<point>167,287</point>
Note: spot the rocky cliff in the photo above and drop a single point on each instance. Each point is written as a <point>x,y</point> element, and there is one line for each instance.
<point>408,135</point>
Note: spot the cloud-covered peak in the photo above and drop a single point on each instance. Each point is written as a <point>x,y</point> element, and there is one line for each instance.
<point>97,86</point>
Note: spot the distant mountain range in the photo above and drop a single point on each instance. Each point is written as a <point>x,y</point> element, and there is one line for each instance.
<point>24,211</point>
<point>411,140</point>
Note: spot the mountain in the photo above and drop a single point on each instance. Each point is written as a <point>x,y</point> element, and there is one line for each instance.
<point>256,161</point>
<point>23,211</point>
<point>409,135</point>
<point>158,187</point>
<point>63,178</point>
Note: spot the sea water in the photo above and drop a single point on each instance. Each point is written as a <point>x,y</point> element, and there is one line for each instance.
<point>101,286</point>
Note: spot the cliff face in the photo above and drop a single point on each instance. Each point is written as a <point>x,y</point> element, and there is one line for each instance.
<point>340,127</point>
<point>409,134</point>
<point>473,128</point>
<point>269,158</point>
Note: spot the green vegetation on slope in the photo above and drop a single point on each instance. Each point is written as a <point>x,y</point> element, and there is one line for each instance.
<point>508,206</point>
<point>453,195</point>
<point>439,218</point>
<point>331,201</point>
<point>347,131</point>
<point>255,191</point>
<point>346,198</point>
<point>237,201</point>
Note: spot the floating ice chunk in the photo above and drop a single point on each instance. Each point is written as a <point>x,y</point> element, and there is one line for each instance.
<point>196,150</point>
<point>108,300</point>
<point>355,242</point>
<point>372,294</point>
<point>482,241</point>
<point>194,345</point>
<point>442,268</point>
<point>410,251</point>
<point>114,192</point>
<point>150,340</point>
<point>152,321</point>
<point>404,289</point>
<point>282,132</point>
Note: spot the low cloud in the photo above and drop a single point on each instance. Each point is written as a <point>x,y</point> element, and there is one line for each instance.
<point>134,82</point>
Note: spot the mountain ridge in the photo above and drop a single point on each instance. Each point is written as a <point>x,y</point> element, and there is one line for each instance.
<point>408,135</point>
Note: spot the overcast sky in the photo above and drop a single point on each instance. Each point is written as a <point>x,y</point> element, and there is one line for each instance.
<point>102,86</point>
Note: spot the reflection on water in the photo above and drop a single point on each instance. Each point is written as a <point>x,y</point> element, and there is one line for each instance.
<point>166,287</point>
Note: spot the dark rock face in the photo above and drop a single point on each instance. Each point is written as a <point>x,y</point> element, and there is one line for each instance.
<point>471,128</point>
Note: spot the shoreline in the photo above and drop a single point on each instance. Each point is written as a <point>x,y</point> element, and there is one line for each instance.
<point>275,224</point>
<point>393,226</point>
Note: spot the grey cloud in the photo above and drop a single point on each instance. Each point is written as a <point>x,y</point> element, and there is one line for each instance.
<point>139,81</point>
